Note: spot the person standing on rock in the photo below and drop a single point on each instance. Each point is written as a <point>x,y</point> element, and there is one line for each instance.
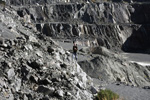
<point>3,2</point>
<point>75,49</point>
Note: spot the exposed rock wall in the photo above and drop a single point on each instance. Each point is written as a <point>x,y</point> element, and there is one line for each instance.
<point>139,40</point>
<point>110,23</point>
<point>26,2</point>
<point>83,13</point>
<point>43,2</point>
<point>110,36</point>
<point>102,21</point>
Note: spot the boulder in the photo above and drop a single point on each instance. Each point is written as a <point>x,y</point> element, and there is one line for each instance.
<point>45,90</point>
<point>60,93</point>
<point>101,51</point>
<point>11,73</point>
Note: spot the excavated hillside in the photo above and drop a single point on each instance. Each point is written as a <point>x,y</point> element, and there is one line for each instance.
<point>113,25</point>
<point>33,66</point>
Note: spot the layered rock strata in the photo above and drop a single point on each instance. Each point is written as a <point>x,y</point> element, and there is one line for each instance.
<point>113,25</point>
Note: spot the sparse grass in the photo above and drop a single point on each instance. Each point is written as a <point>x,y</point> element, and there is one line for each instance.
<point>107,95</point>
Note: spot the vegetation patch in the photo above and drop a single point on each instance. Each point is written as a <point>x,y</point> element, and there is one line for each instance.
<point>107,95</point>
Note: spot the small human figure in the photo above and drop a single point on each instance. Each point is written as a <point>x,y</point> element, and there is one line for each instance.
<point>75,49</point>
<point>3,2</point>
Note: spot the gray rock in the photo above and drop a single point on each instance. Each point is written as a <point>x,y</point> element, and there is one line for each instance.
<point>60,93</point>
<point>34,78</point>
<point>44,81</point>
<point>25,97</point>
<point>39,53</point>
<point>101,51</point>
<point>80,85</point>
<point>11,97</point>
<point>1,73</point>
<point>112,22</point>
<point>28,47</point>
<point>2,83</point>
<point>34,65</point>
<point>50,49</point>
<point>85,50</point>
<point>93,90</point>
<point>18,84</point>
<point>146,87</point>
<point>11,73</point>
<point>33,39</point>
<point>56,74</point>
<point>45,90</point>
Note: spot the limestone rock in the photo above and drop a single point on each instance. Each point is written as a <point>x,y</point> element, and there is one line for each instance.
<point>11,73</point>
<point>60,93</point>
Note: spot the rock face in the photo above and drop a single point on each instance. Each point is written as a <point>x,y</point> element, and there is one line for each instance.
<point>111,67</point>
<point>139,40</point>
<point>18,2</point>
<point>98,20</point>
<point>33,66</point>
<point>113,25</point>
<point>27,2</point>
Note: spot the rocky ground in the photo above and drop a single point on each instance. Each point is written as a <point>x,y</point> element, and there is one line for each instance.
<point>126,91</point>
<point>35,67</point>
<point>36,44</point>
<point>130,92</point>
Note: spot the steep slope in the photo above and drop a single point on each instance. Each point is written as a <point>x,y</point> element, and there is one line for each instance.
<point>34,67</point>
<point>114,25</point>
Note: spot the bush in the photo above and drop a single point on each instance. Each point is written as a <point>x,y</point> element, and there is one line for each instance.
<point>107,95</point>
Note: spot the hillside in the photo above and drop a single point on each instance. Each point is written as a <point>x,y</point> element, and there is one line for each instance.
<point>36,47</point>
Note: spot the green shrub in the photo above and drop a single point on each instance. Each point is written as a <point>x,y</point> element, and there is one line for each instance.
<point>107,95</point>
